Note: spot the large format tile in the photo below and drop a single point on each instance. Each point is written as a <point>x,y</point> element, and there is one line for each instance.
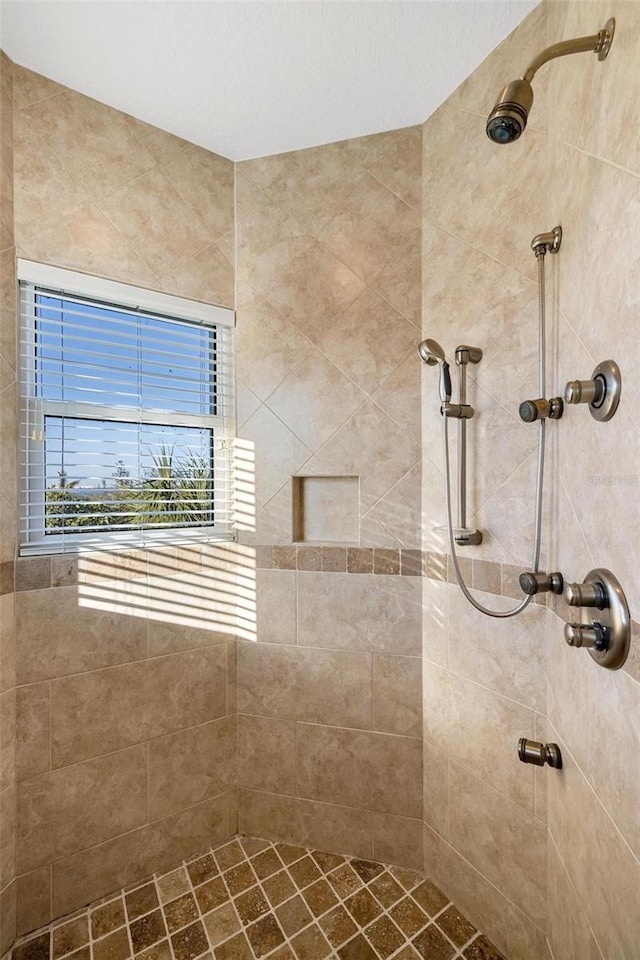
<point>106,151</point>
<point>362,769</point>
<point>66,636</point>
<point>188,766</point>
<point>508,655</point>
<point>501,840</point>
<point>397,695</point>
<point>600,865</point>
<point>316,685</point>
<point>315,399</point>
<point>460,717</point>
<point>125,860</point>
<point>379,614</point>
<point>65,810</point>
<point>33,731</point>
<point>267,754</point>
<point>508,926</point>
<point>105,710</point>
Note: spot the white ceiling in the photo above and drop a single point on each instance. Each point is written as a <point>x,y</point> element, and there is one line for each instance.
<point>247,79</point>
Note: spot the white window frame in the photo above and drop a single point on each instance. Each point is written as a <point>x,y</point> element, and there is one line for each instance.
<point>112,294</point>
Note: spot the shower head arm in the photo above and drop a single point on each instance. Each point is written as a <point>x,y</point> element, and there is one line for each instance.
<point>598,43</point>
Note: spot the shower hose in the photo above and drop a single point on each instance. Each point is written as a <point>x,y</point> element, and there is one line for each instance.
<point>540,255</point>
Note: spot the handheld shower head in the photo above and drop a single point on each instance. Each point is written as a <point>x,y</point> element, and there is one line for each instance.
<point>510,113</point>
<point>431,352</point>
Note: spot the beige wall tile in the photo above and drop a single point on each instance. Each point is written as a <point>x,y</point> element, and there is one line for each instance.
<point>109,709</point>
<point>164,235</point>
<point>7,739</point>
<point>368,445</point>
<point>207,276</point>
<point>205,181</point>
<point>8,812</point>
<point>276,606</point>
<point>325,826</point>
<point>397,695</point>
<point>482,903</point>
<point>232,677</point>
<point>313,184</point>
<point>399,396</point>
<point>58,634</point>
<point>7,641</point>
<point>268,346</point>
<point>319,686</point>
<point>362,769</point>
<point>191,765</point>
<point>394,158</point>
<point>397,840</point>
<point>372,226</point>
<point>398,512</point>
<point>106,152</point>
<point>87,241</point>
<point>7,916</point>
<point>435,789</point>
<point>278,454</point>
<point>267,754</point>
<point>501,840</point>
<point>614,748</point>
<point>615,137</point>
<point>506,655</point>
<point>369,341</point>
<point>461,717</point>
<point>568,929</point>
<point>33,730</point>
<point>102,869</point>
<point>381,614</point>
<point>65,810</point>
<point>33,900</point>
<point>315,399</point>
<point>602,869</point>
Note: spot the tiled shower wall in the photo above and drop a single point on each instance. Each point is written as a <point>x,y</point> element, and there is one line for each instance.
<point>125,664</point>
<point>7,512</point>
<point>532,852</point>
<point>328,281</point>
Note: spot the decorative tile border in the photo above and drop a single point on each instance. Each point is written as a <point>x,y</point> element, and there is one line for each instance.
<point>499,579</point>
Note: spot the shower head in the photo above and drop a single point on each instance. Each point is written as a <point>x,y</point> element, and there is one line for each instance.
<point>510,113</point>
<point>431,352</point>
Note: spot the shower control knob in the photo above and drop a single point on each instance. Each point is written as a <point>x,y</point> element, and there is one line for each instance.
<point>602,392</point>
<point>595,637</point>
<point>532,751</point>
<point>531,410</point>
<point>584,391</point>
<point>586,595</point>
<point>532,583</point>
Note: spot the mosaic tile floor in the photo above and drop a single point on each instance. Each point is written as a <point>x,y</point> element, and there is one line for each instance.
<point>249,899</point>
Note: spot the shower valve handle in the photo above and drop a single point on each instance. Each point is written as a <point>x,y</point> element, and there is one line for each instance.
<point>594,637</point>
<point>586,595</point>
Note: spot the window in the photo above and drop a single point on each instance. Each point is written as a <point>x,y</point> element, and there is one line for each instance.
<point>126,414</point>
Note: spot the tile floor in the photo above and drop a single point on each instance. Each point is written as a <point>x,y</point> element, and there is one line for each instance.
<point>249,898</point>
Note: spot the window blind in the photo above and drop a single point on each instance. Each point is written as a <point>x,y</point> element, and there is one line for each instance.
<point>126,415</point>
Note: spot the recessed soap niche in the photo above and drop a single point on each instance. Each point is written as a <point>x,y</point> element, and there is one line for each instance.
<point>326,509</point>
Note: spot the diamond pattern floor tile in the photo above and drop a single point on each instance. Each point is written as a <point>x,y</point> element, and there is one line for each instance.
<point>249,899</point>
